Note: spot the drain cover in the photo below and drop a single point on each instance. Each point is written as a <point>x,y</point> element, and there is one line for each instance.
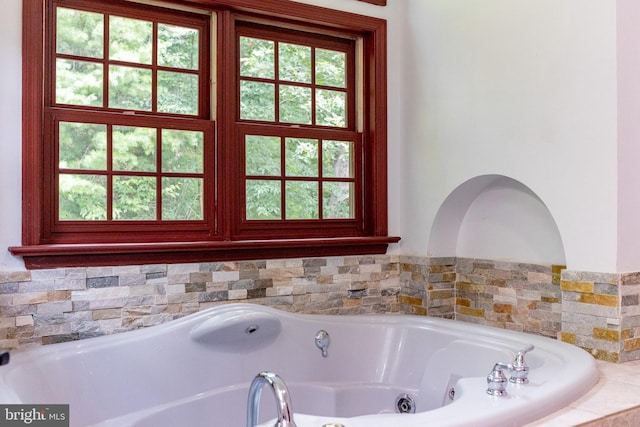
<point>405,404</point>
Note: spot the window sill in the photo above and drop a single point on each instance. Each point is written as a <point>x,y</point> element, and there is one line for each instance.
<point>86,255</point>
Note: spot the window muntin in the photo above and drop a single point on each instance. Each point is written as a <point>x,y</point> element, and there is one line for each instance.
<point>301,82</point>
<point>142,64</point>
<point>303,85</point>
<point>113,169</point>
<point>299,178</point>
<point>111,172</point>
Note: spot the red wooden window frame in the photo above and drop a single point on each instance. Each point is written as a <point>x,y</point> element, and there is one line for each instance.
<point>245,228</point>
<point>231,242</point>
<point>376,2</point>
<point>56,231</point>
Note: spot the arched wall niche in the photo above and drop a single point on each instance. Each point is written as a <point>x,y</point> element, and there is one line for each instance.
<point>499,218</point>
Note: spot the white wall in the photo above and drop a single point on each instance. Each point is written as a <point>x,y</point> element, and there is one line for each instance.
<point>10,132</point>
<point>629,135</point>
<point>506,221</point>
<point>521,89</point>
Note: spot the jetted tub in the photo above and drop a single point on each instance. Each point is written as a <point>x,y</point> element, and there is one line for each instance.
<point>196,372</point>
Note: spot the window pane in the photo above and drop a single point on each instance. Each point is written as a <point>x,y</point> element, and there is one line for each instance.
<point>331,68</point>
<point>134,198</point>
<point>294,63</point>
<point>337,159</point>
<point>262,154</point>
<point>134,148</point>
<point>79,83</point>
<point>302,200</point>
<point>295,104</point>
<point>182,151</point>
<point>177,93</point>
<point>257,58</point>
<point>129,88</point>
<point>301,157</point>
<point>178,47</point>
<point>130,40</point>
<point>82,146</point>
<point>79,33</point>
<point>82,197</point>
<point>257,101</point>
<point>337,200</point>
<point>263,199</point>
<point>182,199</point>
<point>331,108</point>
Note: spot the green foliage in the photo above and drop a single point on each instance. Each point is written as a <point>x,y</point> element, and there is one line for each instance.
<point>182,199</point>
<point>178,47</point>
<point>337,200</point>
<point>257,101</point>
<point>80,33</point>
<point>294,63</point>
<point>295,104</point>
<point>263,199</point>
<point>302,200</point>
<point>79,83</point>
<point>130,40</point>
<point>257,58</point>
<point>331,107</point>
<point>337,159</point>
<point>331,68</point>
<point>134,198</point>
<point>301,157</point>
<point>262,155</point>
<point>82,197</point>
<point>83,146</point>
<point>177,93</point>
<point>134,148</point>
<point>130,88</point>
<point>182,151</point>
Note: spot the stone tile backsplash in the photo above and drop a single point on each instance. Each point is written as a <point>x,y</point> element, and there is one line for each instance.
<point>597,311</point>
<point>48,306</point>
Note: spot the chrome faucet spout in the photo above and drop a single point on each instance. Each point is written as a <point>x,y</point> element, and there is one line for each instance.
<point>281,394</point>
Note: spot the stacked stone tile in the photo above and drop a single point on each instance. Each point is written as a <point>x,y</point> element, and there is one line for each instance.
<point>599,312</point>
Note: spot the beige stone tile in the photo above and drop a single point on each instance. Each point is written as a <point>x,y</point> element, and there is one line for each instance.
<point>628,372</point>
<point>564,418</point>
<point>609,397</point>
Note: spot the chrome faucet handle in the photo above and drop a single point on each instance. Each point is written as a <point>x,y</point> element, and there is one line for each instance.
<point>497,380</point>
<point>322,341</point>
<point>520,370</point>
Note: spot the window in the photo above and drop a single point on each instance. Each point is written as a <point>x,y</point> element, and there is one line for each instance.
<point>297,133</point>
<point>129,141</point>
<point>166,133</point>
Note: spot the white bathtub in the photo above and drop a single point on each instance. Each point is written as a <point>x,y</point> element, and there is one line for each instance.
<point>196,371</point>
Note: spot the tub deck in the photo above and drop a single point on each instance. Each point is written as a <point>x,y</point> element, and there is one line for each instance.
<point>614,401</point>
